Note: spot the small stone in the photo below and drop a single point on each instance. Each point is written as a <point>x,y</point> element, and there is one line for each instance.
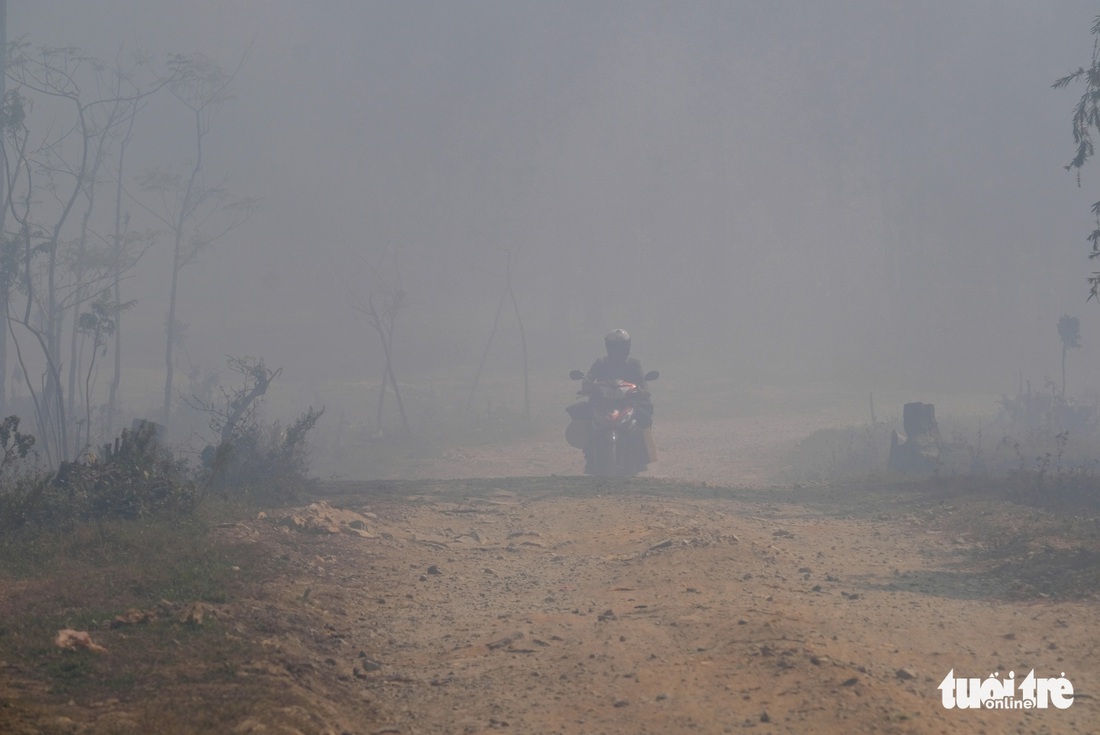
<point>433,569</point>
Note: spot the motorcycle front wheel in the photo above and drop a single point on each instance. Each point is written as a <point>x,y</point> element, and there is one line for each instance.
<point>604,454</point>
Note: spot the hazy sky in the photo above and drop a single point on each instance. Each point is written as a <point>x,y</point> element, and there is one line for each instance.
<point>866,191</point>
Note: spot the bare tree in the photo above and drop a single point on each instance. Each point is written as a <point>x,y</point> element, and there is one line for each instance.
<point>48,173</point>
<point>522,342</point>
<point>240,404</point>
<point>126,247</point>
<point>195,213</point>
<point>381,309</point>
<point>509,294</point>
<point>485,353</point>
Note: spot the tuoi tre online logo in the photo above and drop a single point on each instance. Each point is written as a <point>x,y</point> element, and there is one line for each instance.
<point>992,693</point>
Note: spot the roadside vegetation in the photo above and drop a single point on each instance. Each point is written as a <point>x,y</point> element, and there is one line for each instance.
<point>1038,438</point>
<point>123,546</point>
<point>1038,445</point>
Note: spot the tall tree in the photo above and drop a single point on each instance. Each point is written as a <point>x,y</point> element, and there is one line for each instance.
<point>1086,121</point>
<point>123,257</point>
<point>52,170</point>
<point>508,293</point>
<point>382,308</point>
<point>195,213</point>
<point>5,279</point>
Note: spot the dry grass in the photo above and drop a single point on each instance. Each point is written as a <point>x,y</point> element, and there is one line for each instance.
<point>86,579</point>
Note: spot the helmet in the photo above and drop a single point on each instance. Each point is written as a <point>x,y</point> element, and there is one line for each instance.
<point>618,344</point>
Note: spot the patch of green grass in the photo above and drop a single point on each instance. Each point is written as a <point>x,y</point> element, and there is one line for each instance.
<point>68,672</point>
<point>83,579</point>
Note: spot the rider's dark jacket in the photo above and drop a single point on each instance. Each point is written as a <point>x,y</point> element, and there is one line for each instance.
<point>629,370</point>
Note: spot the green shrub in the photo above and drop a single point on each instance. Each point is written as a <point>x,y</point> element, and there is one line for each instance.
<point>262,462</point>
<point>133,477</point>
<point>253,460</point>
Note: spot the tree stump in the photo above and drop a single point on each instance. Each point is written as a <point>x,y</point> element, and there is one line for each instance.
<point>920,452</point>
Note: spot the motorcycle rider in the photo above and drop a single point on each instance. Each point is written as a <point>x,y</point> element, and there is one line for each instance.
<point>619,365</point>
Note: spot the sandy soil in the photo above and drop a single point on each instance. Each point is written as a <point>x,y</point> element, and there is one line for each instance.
<point>573,606</point>
<point>515,596</point>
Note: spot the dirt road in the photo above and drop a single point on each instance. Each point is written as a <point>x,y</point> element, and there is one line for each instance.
<point>575,606</point>
<point>518,597</point>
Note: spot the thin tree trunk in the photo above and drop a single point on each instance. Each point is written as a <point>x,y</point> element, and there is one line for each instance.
<point>39,414</point>
<point>381,401</point>
<point>523,343</point>
<point>485,353</point>
<point>4,353</point>
<point>88,392</point>
<point>119,238</point>
<point>3,216</point>
<point>1063,372</point>
<point>75,349</point>
<point>177,264</point>
<point>386,346</point>
<point>386,335</point>
<point>116,378</point>
<point>170,330</point>
<point>522,340</point>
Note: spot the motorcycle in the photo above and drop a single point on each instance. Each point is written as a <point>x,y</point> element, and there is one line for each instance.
<point>605,426</point>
